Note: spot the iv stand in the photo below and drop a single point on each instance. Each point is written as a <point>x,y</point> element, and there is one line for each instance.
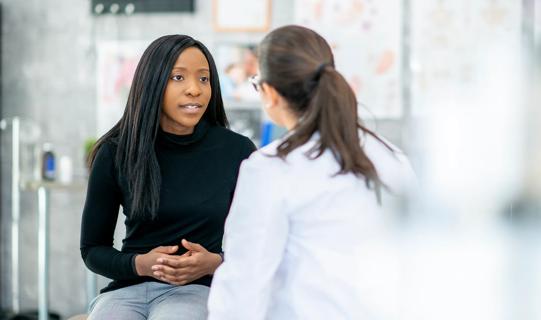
<point>15,210</point>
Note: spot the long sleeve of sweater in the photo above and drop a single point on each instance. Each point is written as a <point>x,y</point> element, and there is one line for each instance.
<point>100,214</point>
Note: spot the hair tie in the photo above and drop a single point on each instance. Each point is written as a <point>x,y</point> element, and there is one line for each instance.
<point>320,69</point>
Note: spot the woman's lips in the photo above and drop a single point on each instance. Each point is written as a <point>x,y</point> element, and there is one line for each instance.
<point>191,108</point>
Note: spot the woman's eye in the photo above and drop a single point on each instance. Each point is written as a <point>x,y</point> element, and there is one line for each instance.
<point>177,78</point>
<point>204,79</point>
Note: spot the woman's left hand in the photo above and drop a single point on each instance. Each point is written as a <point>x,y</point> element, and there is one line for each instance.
<point>194,264</point>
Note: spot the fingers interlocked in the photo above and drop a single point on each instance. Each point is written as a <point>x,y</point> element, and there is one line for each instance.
<point>177,270</point>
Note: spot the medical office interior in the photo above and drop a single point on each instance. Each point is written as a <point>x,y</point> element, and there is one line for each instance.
<point>455,84</point>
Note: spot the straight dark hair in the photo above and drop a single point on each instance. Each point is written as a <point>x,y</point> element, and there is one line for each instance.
<point>299,64</point>
<point>135,133</point>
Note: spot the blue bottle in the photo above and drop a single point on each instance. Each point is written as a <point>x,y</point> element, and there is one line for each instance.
<point>48,167</point>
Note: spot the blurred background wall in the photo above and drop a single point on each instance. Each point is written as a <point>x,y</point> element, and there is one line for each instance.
<point>421,70</point>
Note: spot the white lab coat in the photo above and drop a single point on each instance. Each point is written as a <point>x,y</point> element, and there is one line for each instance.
<point>292,235</point>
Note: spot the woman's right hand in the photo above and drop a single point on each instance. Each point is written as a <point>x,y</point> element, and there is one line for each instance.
<point>144,262</point>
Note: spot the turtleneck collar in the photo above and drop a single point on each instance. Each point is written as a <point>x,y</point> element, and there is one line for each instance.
<point>183,140</point>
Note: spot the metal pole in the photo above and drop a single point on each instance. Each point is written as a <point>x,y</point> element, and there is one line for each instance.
<point>406,73</point>
<point>43,254</point>
<point>15,213</point>
<point>91,286</point>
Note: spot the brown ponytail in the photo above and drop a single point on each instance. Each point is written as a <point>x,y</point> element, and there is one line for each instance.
<point>299,64</point>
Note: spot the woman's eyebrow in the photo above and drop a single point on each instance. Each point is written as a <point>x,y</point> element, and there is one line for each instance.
<point>183,69</point>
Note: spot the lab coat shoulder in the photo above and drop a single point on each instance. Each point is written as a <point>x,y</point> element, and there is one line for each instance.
<point>264,162</point>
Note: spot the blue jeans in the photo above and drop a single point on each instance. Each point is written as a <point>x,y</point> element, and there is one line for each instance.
<point>151,300</point>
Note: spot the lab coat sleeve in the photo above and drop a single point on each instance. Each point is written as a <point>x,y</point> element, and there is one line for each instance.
<point>255,236</point>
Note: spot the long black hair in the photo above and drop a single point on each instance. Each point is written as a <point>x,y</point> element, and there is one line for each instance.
<point>135,133</point>
<point>299,64</point>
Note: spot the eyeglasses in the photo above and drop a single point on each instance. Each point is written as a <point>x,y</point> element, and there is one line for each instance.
<point>256,82</point>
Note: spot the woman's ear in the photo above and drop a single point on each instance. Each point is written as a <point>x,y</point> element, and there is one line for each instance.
<point>270,95</point>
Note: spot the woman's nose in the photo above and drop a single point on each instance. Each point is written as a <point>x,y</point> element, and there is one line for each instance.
<point>193,88</point>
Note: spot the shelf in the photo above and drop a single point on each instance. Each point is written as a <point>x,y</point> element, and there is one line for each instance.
<point>78,185</point>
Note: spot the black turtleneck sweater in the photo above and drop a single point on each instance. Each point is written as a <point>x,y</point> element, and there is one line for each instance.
<point>199,172</point>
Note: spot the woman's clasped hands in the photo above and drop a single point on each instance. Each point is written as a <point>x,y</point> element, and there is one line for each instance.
<point>161,263</point>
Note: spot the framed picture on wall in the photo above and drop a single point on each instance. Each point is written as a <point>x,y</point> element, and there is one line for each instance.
<point>365,37</point>
<point>241,15</point>
<point>116,64</point>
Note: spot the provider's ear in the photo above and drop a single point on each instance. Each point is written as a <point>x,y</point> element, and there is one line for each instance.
<point>271,97</point>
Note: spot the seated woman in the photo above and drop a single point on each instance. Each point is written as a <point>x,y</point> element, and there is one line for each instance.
<point>305,203</point>
<point>172,165</point>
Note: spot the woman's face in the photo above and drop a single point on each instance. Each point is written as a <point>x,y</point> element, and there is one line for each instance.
<point>187,93</point>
